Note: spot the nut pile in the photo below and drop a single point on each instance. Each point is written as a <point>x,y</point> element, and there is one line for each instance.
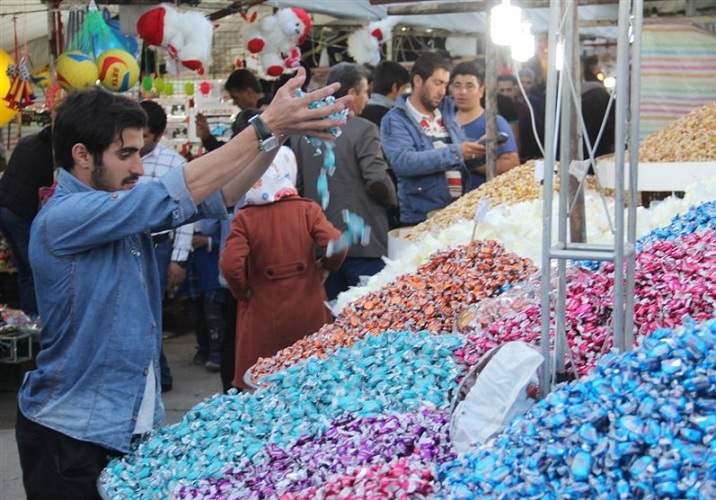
<point>513,186</point>
<point>690,138</point>
<point>641,426</point>
<point>425,300</point>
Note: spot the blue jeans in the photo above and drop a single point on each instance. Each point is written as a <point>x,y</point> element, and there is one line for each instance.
<point>16,231</point>
<point>163,253</point>
<point>350,272</point>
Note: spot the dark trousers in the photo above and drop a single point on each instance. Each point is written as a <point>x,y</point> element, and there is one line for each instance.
<point>163,254</point>
<point>16,231</point>
<point>350,272</point>
<point>56,466</point>
<point>209,321</point>
<point>228,344</point>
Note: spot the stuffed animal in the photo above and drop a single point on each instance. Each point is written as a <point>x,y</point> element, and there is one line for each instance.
<point>185,35</point>
<point>364,44</point>
<point>275,39</point>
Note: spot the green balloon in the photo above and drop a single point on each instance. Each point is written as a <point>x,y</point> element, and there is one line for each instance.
<point>189,88</point>
<point>147,83</point>
<point>168,88</point>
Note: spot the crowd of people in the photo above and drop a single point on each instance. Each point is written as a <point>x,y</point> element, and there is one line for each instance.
<point>239,231</point>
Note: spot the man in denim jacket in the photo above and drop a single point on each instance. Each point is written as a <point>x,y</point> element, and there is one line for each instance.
<point>96,385</point>
<point>424,144</point>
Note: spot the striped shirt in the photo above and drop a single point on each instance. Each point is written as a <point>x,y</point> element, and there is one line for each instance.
<point>157,163</point>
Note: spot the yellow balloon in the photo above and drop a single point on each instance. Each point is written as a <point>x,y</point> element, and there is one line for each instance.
<point>6,112</point>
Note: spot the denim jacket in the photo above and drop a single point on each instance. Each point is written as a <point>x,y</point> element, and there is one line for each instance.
<point>97,286</point>
<point>418,165</point>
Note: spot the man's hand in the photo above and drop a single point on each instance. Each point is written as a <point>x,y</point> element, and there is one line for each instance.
<point>289,115</point>
<point>202,127</point>
<point>472,150</point>
<point>175,275</point>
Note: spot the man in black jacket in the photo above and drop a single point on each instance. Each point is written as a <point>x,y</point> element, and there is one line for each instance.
<point>389,81</point>
<point>30,168</point>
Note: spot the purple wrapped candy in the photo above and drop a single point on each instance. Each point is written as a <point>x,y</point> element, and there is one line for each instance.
<point>349,442</point>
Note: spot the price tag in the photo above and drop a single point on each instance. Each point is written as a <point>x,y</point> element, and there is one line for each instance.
<point>481,211</point>
<point>539,170</point>
<point>579,169</point>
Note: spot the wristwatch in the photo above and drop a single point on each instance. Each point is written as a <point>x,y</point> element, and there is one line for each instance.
<point>267,141</point>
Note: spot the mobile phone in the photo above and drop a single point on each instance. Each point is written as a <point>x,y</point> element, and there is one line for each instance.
<point>502,138</point>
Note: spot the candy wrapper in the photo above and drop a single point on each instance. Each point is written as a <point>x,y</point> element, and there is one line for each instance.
<point>673,280</point>
<point>641,426</point>
<point>427,299</point>
<point>395,372</point>
<point>314,463</point>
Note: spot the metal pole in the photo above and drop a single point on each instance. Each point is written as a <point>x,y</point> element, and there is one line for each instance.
<point>551,108</point>
<point>490,107</point>
<point>638,13</point>
<point>619,135</point>
<point>565,157</point>
<point>576,213</point>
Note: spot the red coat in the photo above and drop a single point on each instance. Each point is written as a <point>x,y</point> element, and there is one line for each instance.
<point>269,262</point>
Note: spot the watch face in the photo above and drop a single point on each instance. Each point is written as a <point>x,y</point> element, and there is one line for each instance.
<point>269,144</point>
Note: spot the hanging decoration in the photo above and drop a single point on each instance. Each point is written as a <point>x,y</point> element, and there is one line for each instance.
<point>189,88</point>
<point>364,44</point>
<point>186,36</point>
<point>76,70</point>
<point>205,88</point>
<point>20,93</point>
<point>118,70</point>
<point>6,112</point>
<point>94,36</point>
<point>275,40</point>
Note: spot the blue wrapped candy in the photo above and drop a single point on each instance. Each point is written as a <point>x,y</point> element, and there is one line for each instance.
<point>611,447</point>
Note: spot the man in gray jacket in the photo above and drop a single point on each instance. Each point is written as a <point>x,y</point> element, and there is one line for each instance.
<point>360,183</point>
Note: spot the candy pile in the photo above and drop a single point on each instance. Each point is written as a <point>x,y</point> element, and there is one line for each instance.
<point>697,218</point>
<point>428,299</point>
<point>401,479</point>
<point>349,443</point>
<point>673,279</point>
<point>395,372</point>
<point>641,426</point>
<point>690,138</point>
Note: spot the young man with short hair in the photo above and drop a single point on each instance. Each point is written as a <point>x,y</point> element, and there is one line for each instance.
<point>95,386</point>
<point>425,145</point>
<point>467,88</point>
<point>245,91</point>
<point>389,81</point>
<point>360,183</point>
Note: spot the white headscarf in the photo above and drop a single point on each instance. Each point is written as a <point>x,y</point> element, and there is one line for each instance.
<point>279,180</point>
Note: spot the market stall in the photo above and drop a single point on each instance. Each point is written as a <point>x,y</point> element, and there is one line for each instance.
<point>373,405</point>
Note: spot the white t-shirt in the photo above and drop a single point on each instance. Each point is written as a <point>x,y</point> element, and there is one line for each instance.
<point>145,417</point>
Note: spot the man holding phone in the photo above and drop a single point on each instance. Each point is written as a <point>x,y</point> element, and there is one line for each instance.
<point>425,145</point>
<point>467,88</point>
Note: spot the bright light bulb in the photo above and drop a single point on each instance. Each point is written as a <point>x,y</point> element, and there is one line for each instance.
<point>610,82</point>
<point>559,55</point>
<point>503,18</point>
<point>523,45</point>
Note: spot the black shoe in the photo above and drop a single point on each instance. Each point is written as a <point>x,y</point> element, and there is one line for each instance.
<point>167,387</point>
<point>200,358</point>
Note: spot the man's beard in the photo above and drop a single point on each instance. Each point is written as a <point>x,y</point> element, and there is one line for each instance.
<point>426,102</point>
<point>99,177</point>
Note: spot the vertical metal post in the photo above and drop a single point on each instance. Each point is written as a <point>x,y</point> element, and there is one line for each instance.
<point>551,108</point>
<point>565,157</point>
<point>638,15</point>
<point>622,90</point>
<point>577,216</point>
<point>490,107</point>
